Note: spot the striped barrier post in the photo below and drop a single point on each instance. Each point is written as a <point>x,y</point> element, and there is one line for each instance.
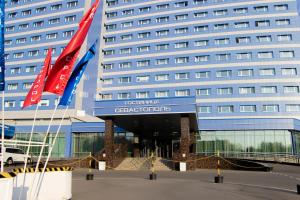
<point>219,178</point>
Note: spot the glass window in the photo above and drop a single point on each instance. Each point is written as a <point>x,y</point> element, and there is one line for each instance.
<point>224,91</point>
<point>241,24</point>
<point>200,14</point>
<point>143,63</point>
<point>127,24</point>
<point>181,30</point>
<point>161,94</point>
<point>162,77</point>
<point>267,72</point>
<point>162,6</point>
<point>203,92</point>
<point>71,18</point>
<point>225,109</point>
<point>261,8</point>
<point>247,90</point>
<point>201,43</point>
<point>268,89</point>
<point>248,108</point>
<point>270,108</point>
<point>182,76</point>
<point>201,28</point>
<point>283,22</point>
<point>181,4</point>
<point>162,61</point>
<point>265,55</point>
<point>220,12</point>
<point>240,10</point>
<point>181,60</point>
<point>203,74</point>
<point>203,58</point>
<point>142,95</point>
<point>243,56</point>
<point>264,38</point>
<point>292,108</point>
<point>284,38</point>
<point>142,78</point>
<point>10,104</point>
<point>289,71</point>
<point>180,45</point>
<point>291,89</point>
<point>262,23</point>
<point>125,65</point>
<point>162,33</point>
<point>287,54</point>
<point>144,35</point>
<point>12,86</point>
<point>124,79</point>
<point>160,47</point>
<point>182,93</point>
<point>240,40</point>
<point>223,57</point>
<point>222,41</point>
<point>108,81</point>
<point>124,95</point>
<point>223,73</point>
<point>281,7</point>
<point>204,109</point>
<point>245,72</point>
<point>126,37</point>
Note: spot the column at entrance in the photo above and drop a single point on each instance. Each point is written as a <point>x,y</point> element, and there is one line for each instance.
<point>136,146</point>
<point>185,137</point>
<point>109,142</point>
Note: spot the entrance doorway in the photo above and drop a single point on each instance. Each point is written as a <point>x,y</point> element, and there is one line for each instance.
<point>161,145</point>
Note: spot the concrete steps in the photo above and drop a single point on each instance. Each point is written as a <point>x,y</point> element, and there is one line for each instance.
<point>132,164</point>
<point>161,164</point>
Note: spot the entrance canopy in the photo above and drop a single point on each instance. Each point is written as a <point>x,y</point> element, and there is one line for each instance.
<point>149,116</point>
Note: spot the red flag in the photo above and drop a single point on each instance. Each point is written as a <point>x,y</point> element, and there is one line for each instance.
<point>61,71</point>
<point>35,93</point>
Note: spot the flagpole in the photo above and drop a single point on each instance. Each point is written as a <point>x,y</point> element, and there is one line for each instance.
<point>28,150</point>
<point>43,146</point>
<point>39,183</point>
<point>2,135</point>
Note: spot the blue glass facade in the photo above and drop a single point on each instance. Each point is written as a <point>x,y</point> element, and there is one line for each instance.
<point>238,59</point>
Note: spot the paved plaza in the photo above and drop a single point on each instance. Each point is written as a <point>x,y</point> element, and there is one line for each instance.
<point>238,185</point>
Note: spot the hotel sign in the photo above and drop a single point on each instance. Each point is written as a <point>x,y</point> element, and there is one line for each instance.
<point>143,106</point>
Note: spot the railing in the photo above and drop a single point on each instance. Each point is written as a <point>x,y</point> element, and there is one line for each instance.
<point>258,156</point>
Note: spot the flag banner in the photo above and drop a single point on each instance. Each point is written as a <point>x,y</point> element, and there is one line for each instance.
<point>76,76</point>
<point>35,93</point>
<point>61,70</point>
<point>2,53</point>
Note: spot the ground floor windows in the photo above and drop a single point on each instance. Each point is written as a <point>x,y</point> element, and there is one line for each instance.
<point>58,149</point>
<point>252,142</point>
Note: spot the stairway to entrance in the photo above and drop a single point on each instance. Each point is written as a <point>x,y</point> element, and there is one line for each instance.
<point>131,164</point>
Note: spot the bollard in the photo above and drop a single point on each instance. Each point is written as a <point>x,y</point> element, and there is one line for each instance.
<point>89,177</point>
<point>298,189</point>
<point>153,175</point>
<point>219,178</point>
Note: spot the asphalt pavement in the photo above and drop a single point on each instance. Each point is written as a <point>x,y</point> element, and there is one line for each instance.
<point>280,184</point>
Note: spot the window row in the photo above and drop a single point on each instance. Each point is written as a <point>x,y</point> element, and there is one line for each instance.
<point>39,24</point>
<point>12,103</point>
<point>32,53</point>
<point>37,38</point>
<point>249,108</point>
<point>201,28</point>
<point>197,43</point>
<point>204,58</point>
<point>240,10</point>
<point>42,9</point>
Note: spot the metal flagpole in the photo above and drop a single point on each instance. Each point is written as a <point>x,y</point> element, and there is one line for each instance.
<point>43,146</point>
<point>2,135</point>
<point>39,183</point>
<point>28,149</point>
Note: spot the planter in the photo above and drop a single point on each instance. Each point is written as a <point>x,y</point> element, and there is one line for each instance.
<point>6,191</point>
<point>56,184</point>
